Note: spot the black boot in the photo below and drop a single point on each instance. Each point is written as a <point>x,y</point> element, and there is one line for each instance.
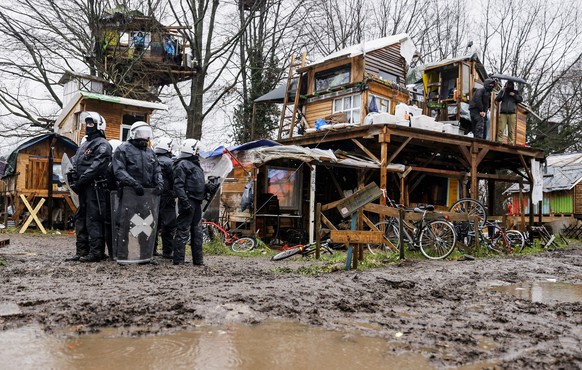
<point>91,258</point>
<point>74,258</point>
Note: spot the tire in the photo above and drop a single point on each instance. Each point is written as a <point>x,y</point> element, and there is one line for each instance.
<point>516,240</point>
<point>472,207</point>
<point>325,248</point>
<point>437,240</point>
<point>390,227</point>
<point>243,245</point>
<point>286,254</point>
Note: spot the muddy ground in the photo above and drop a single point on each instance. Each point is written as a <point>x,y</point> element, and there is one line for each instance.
<point>445,310</point>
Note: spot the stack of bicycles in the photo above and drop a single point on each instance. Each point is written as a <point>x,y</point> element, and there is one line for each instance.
<point>490,234</point>
<point>437,238</point>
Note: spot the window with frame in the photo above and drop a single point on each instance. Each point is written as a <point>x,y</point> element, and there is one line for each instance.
<point>382,104</point>
<point>350,105</point>
<point>387,76</point>
<point>285,183</point>
<point>332,77</point>
<point>128,119</point>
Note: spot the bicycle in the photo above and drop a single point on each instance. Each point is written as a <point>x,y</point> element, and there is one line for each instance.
<point>435,238</point>
<point>493,237</point>
<point>212,230</point>
<point>304,250</point>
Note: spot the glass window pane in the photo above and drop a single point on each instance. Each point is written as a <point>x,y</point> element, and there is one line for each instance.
<point>337,105</point>
<point>347,102</point>
<point>356,101</point>
<point>355,116</point>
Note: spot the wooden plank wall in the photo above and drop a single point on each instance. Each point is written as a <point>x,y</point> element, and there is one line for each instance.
<point>520,130</point>
<point>387,92</point>
<point>387,59</point>
<point>578,198</point>
<point>113,114</point>
<point>231,194</point>
<point>33,162</point>
<point>318,109</point>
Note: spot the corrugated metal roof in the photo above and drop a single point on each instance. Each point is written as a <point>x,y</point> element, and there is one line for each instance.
<point>563,172</point>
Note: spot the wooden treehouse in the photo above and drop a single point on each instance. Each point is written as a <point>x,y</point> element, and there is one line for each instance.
<point>87,93</point>
<point>33,174</point>
<point>139,54</point>
<point>414,159</point>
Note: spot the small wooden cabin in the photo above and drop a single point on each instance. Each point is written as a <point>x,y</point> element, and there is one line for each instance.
<point>343,83</point>
<point>34,170</point>
<point>448,88</point>
<point>119,113</point>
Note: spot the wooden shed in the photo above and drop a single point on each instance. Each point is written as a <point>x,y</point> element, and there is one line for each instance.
<point>119,113</point>
<point>34,170</point>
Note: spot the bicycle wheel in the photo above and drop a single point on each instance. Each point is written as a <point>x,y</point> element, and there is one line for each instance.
<point>390,228</point>
<point>437,239</point>
<point>471,206</point>
<point>286,254</point>
<point>516,240</point>
<point>325,248</point>
<point>243,245</point>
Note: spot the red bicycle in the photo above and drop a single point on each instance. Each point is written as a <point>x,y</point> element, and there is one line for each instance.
<point>213,231</point>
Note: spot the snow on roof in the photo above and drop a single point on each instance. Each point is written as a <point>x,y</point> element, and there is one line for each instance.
<point>407,48</point>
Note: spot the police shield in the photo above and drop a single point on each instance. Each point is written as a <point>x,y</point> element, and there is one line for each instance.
<point>135,225</point>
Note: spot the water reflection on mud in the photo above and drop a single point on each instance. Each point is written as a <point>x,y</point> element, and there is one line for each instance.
<point>544,292</point>
<point>272,345</point>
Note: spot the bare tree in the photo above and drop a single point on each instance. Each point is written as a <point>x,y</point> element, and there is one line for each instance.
<point>269,39</point>
<point>541,43</point>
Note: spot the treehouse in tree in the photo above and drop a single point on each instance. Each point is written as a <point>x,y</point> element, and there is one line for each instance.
<point>139,54</point>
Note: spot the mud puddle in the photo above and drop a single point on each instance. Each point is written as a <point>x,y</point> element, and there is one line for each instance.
<point>273,344</point>
<point>550,291</point>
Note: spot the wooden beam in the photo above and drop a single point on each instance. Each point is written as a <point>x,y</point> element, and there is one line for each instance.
<point>397,151</point>
<point>368,153</point>
<point>466,154</point>
<point>482,153</point>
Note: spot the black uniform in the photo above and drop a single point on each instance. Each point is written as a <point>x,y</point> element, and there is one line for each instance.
<point>480,102</point>
<point>90,163</point>
<point>167,214</point>
<point>189,187</point>
<point>135,165</point>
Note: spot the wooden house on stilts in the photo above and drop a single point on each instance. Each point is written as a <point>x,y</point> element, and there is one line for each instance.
<point>344,110</point>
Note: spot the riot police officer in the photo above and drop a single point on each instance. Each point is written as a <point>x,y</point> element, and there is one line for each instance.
<point>167,213</point>
<point>189,187</point>
<point>135,164</point>
<point>88,180</point>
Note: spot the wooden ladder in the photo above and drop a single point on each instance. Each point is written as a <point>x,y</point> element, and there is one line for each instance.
<point>287,122</point>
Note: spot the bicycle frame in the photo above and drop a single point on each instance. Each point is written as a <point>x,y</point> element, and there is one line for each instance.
<point>229,237</point>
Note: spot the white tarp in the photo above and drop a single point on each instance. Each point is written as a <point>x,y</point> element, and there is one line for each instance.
<point>538,181</point>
